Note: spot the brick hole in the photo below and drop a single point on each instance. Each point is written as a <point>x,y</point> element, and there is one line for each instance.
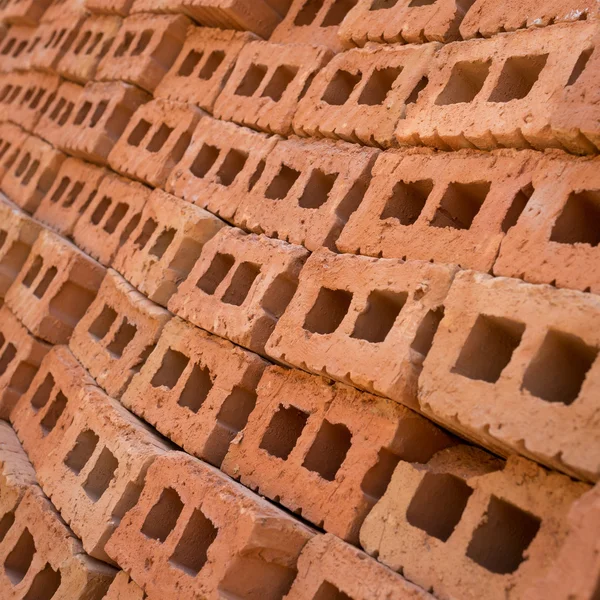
<point>328,311</point>
<point>23,165</point>
<point>125,44</point>
<point>283,76</point>
<point>579,221</point>
<point>5,524</point>
<point>191,552</point>
<point>278,295</point>
<point>328,591</point>
<point>49,102</point>
<point>33,272</point>
<point>489,348</point>
<point>190,63</point>
<point>308,13</point>
<point>70,303</point>
<point>465,83</point>
<point>103,323</point>
<point>122,339</point>
<point>416,3</point>
<point>7,357</point>
<point>65,182</point>
<point>519,75</point>
<point>159,139</point>
<point>27,95</point>
<point>501,539</point>
<point>231,167</point>
<point>101,210</point>
<point>3,238</point>
<point>117,121</point>
<point>377,478</point>
<point>427,330</point>
<point>57,108</point>
<point>84,40</point>
<point>197,388</point>
<point>44,284</point>
<point>213,62</point>
<point>379,316</point>
<point>139,133</point>
<point>8,46</point>
<point>22,377</point>
<point>44,585</point>
<point>66,114</point>
<point>180,146</point>
<point>19,560</point>
<point>4,149</point>
<point>54,413</point>
<point>42,394</point>
<point>5,91</point>
<point>284,430</point>
<point>143,42</point>
<point>337,12</point>
<point>341,87</point>
<point>83,113</point>
<point>438,504</point>
<point>560,367</point>
<point>22,45</point>
<point>37,99</point>
<point>580,66</point>
<point>82,451</point>
<point>100,110</point>
<point>97,39</point>
<point>147,231</point>
<point>329,450</point>
<point>317,190</point>
<point>101,475</point>
<point>283,182</point>
<point>172,367</point>
<point>407,201</point>
<point>85,205</point>
<point>241,283</point>
<point>143,357</point>
<point>163,242</point>
<point>15,94</point>
<point>116,217</point>
<point>379,85</point>
<point>215,274</point>
<point>185,257</point>
<point>460,205</point>
<point>382,4</point>
<point>163,516</point>
<point>2,339</point>
<point>129,229</point>
<point>517,207</point>
<point>204,160</point>
<point>30,173</point>
<point>50,39</point>
<point>251,81</point>
<point>127,501</point>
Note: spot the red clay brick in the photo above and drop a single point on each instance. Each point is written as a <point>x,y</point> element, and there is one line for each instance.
<point>240,286</point>
<point>124,588</point>
<point>326,451</point>
<point>196,534</point>
<point>59,9</point>
<point>17,46</point>
<point>196,389</point>
<point>54,288</point>
<point>267,84</point>
<point>466,530</point>
<point>363,321</point>
<point>531,352</point>
<point>56,37</point>
<point>23,12</point>
<point>222,163</point>
<point>163,248</point>
<point>307,191</point>
<point>109,7</point>
<point>154,141</point>
<point>12,137</point>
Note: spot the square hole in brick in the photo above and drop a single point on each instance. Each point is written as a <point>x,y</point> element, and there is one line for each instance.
<point>82,451</point>
<point>251,80</point>
<point>337,12</point>
<point>163,516</point>
<point>231,167</point>
<point>379,316</point>
<point>380,84</point>
<point>328,311</point>
<point>70,303</point>
<point>328,591</point>
<point>172,367</point>
<point>45,584</point>
<point>560,367</point>
<point>116,217</point>
<point>329,450</point>
<point>215,274</point>
<point>282,183</point>
<point>501,539</point>
<point>519,75</point>
<point>204,160</point>
<point>213,62</point>
<point>407,201</point>
<point>241,283</point>
<point>466,81</point>
<point>34,271</point>
<point>159,139</point>
<point>122,339</point>
<point>42,394</point>
<point>382,4</point>
<point>489,348</point>
<point>284,430</point>
<point>54,413</point>
<point>308,13</point>
<point>101,475</point>
<point>579,221</point>
<point>283,76</point>
<point>190,63</point>
<point>163,242</point>
<point>196,389</point>
<point>147,232</point>
<point>45,283</point>
<point>19,560</point>
<point>317,190</point>
<point>460,205</point>
<point>139,133</point>
<point>103,322</point>
<point>340,87</point>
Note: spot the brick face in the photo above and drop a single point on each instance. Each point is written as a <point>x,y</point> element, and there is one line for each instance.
<point>17,47</point>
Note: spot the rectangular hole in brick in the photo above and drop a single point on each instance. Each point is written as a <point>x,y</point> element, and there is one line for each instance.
<point>129,229</point>
<point>251,80</point>
<point>317,190</point>
<point>128,500</point>
<point>159,139</point>
<point>241,283</point>
<point>579,221</point>
<point>37,99</point>
<point>65,182</point>
<point>426,331</point>
<point>186,256</point>
<point>163,516</point>
<point>215,274</point>
<point>23,165</point>
<point>378,477</point>
<point>4,149</point>
<point>519,75</point>
<point>517,207</point>
<point>308,13</point>
<point>280,81</point>
<point>19,560</point>
<point>417,3</point>
<point>33,272</point>
<point>341,87</point>
<point>416,92</point>
<point>407,201</point>
<point>5,524</point>
<point>139,133</point>
<point>66,113</point>
<point>328,591</point>
<point>284,430</point>
<point>82,113</point>
<point>382,4</point>
<point>116,217</point>
<point>44,585</point>
<point>45,283</point>
<point>100,110</point>
<point>489,348</point>
<point>438,504</point>
<point>197,388</point>
<point>379,85</point>
<point>379,316</point>
<point>122,339</point>
<point>328,311</point>
<point>163,242</point>
<point>501,539</point>
<point>30,173</point>
<point>172,367</point>
<point>213,62</point>
<point>279,295</point>
<point>13,261</point>
<point>3,237</point>
<point>189,64</point>
<point>101,475</point>
<point>283,182</point>
<point>466,81</point>
<point>329,450</point>
<point>70,303</point>
<point>337,13</point>
<point>7,357</point>
<point>57,108</point>
<point>204,161</point>
<point>560,367</point>
<point>147,232</point>
<point>100,210</point>
<point>42,394</point>
<point>231,167</point>
<point>580,66</point>
<point>191,552</point>
<point>81,453</point>
<point>143,42</point>
<point>22,377</point>
<point>103,322</point>
<point>82,42</point>
<point>460,204</point>
<point>54,413</point>
<point>125,44</point>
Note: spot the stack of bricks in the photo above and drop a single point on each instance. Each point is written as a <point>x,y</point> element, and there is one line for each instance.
<point>299,299</point>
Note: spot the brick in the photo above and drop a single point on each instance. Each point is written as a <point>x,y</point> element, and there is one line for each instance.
<point>20,358</point>
<point>144,49</point>
<point>100,117</point>
<point>60,9</point>
<point>109,7</point>
<point>163,248</point>
<point>222,163</point>
<point>56,38</point>
<point>363,321</point>
<point>307,191</point>
<point>124,588</point>
<point>240,286</point>
<point>326,451</point>
<point>32,173</point>
<point>110,218</point>
<point>154,141</point>
<point>203,66</point>
<point>445,207</point>
<point>196,389</point>
<point>496,92</point>
<point>12,137</point>
<point>19,12</point>
<point>466,530</point>
<point>17,46</point>
<point>267,84</point>
<point>538,373</point>
<point>54,288</point>
<point>330,568</point>
<point>195,533</point>
<point>362,94</point>
<point>93,41</point>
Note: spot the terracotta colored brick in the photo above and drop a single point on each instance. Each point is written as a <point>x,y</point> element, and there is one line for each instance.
<point>23,12</point>
<point>531,352</point>
<point>363,321</point>
<point>196,389</point>
<point>54,288</point>
<point>163,248</point>
<point>221,165</point>
<point>326,451</point>
<point>267,84</point>
<point>497,92</point>
<point>445,207</point>
<point>203,66</point>
<point>124,588</point>
<point>60,9</point>
<point>196,534</point>
<point>109,7</point>
<point>330,568</point>
<point>240,287</point>
<point>56,38</point>
<point>20,358</point>
<point>17,46</point>
<point>362,94</point>
<point>466,530</point>
<point>32,173</point>
<point>307,191</point>
<point>12,138</point>
<point>144,49</point>
<point>154,141</point>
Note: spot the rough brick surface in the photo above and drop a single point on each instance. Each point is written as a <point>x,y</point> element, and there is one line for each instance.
<point>221,165</point>
<point>195,533</point>
<point>364,321</point>
<point>163,248</point>
<point>362,94</point>
<point>124,588</point>
<point>326,451</point>
<point>59,9</point>
<point>109,7</point>
<point>240,286</point>
<point>56,37</point>
<point>17,46</point>
<point>154,141</point>
<point>531,352</point>
<point>267,84</point>
<point>23,12</point>
<point>446,207</point>
<point>12,138</point>
<point>54,288</point>
<point>462,528</point>
<point>307,191</point>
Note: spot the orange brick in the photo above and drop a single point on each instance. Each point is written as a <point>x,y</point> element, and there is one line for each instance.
<point>19,12</point>
<point>124,588</point>
<point>56,38</point>
<point>60,9</point>
<point>17,47</point>
<point>109,7</point>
